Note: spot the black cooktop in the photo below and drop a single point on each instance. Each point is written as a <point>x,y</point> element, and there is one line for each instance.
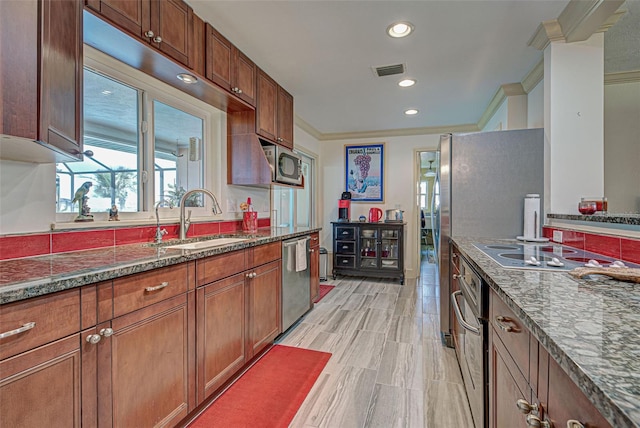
<point>546,256</point>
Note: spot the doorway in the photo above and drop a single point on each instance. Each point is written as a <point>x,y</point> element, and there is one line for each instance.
<point>427,167</point>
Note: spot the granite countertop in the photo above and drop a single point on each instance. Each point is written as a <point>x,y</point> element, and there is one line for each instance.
<point>625,219</point>
<point>37,276</point>
<point>590,327</point>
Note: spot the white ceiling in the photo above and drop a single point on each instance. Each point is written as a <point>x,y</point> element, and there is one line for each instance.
<point>322,53</point>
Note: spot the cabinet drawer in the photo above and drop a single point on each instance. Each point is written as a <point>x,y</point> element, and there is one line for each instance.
<point>343,247</point>
<point>512,332</point>
<point>345,233</point>
<point>265,253</point>
<point>345,262</point>
<point>217,267</point>
<point>137,291</point>
<point>54,316</point>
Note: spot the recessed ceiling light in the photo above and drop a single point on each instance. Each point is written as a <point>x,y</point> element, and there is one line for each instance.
<point>406,83</point>
<point>411,112</point>
<point>187,78</point>
<point>400,29</point>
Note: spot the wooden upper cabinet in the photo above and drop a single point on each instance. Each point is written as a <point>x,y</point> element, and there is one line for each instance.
<point>274,112</point>
<point>41,72</point>
<point>165,24</point>
<point>229,68</point>
<point>285,118</point>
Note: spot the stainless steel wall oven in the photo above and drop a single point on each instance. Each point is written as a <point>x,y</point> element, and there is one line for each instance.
<point>471,308</point>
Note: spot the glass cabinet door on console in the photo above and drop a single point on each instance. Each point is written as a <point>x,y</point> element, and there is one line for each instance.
<point>369,248</point>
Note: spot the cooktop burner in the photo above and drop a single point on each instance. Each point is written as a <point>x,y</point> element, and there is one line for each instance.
<point>542,256</point>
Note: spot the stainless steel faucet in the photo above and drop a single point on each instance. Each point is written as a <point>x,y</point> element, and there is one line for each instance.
<point>161,232</point>
<point>186,222</point>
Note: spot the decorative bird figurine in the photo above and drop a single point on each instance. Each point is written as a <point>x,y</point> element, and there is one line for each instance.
<point>79,197</point>
<point>81,192</point>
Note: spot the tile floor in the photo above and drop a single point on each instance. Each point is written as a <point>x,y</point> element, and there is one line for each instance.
<point>388,367</point>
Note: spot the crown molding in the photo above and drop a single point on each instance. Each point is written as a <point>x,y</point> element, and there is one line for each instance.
<point>579,20</point>
<point>622,77</point>
<point>504,91</point>
<point>534,77</point>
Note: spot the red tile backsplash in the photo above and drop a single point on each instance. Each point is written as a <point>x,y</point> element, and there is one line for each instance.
<point>13,247</point>
<point>135,234</point>
<point>81,240</point>
<point>627,249</point>
<point>199,229</point>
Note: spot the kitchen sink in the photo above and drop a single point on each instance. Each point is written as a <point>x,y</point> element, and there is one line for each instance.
<point>203,245</point>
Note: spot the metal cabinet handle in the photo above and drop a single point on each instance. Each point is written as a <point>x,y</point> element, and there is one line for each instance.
<point>106,332</point>
<point>157,287</point>
<point>454,255</point>
<point>501,320</point>
<point>94,338</point>
<point>526,408</point>
<point>344,247</point>
<point>251,275</point>
<point>312,250</point>
<point>345,261</point>
<point>157,39</point>
<point>572,423</point>
<point>239,90</point>
<point>25,327</point>
<point>279,139</point>
<point>315,239</point>
<point>461,320</point>
<point>345,233</point>
<point>536,422</point>
<point>455,276</point>
<point>149,34</point>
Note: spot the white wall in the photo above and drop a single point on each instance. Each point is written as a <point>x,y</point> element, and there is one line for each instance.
<point>622,146</point>
<point>498,121</point>
<point>400,184</point>
<point>535,106</point>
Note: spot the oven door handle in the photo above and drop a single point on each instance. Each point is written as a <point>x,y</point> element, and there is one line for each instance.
<point>456,309</point>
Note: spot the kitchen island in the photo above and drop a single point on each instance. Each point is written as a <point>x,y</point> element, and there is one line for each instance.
<point>589,327</point>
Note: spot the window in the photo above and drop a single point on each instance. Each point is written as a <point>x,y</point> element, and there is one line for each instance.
<point>150,143</point>
<point>295,207</point>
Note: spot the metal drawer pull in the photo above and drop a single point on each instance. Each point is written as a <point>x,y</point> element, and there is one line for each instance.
<point>526,408</point>
<point>345,247</point>
<point>157,287</point>
<point>456,309</point>
<point>500,320</point>
<point>536,422</point>
<point>25,327</point>
<point>345,233</point>
<point>106,332</point>
<point>572,423</point>
<point>345,261</point>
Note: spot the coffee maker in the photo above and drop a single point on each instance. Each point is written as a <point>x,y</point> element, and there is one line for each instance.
<point>344,207</point>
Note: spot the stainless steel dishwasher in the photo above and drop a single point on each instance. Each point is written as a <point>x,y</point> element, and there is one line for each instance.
<point>296,280</point>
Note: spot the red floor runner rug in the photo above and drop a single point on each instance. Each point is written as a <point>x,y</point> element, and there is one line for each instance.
<point>269,394</point>
<point>324,289</point>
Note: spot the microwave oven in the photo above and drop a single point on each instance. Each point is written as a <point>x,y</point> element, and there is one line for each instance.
<point>286,166</point>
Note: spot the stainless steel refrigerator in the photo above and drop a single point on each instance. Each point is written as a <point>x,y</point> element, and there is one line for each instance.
<point>480,187</point>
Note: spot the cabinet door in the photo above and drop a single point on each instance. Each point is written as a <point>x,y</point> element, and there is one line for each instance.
<point>143,367</point>
<point>505,388</point>
<point>130,15</point>
<point>285,118</point>
<point>266,108</point>
<point>172,23</point>
<point>264,306</point>
<point>314,268</point>
<point>42,386</point>
<point>219,56</point>
<point>244,82</point>
<point>221,333</point>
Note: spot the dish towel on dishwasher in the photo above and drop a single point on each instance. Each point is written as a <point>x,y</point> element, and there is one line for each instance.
<point>301,255</point>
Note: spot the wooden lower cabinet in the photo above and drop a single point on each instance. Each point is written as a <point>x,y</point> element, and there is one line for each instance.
<point>264,313</point>
<point>42,386</point>
<point>221,332</point>
<point>145,366</point>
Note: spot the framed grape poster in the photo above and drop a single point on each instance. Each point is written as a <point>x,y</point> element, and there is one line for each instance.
<point>364,176</point>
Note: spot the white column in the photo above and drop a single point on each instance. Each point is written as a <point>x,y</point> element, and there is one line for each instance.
<point>573,122</point>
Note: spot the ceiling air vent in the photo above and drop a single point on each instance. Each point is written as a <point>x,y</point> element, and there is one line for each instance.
<point>389,70</point>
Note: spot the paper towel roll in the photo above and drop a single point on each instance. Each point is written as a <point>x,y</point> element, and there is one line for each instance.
<point>531,216</point>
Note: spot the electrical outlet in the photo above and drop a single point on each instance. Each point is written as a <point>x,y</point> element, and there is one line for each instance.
<point>232,205</point>
<point>557,236</point>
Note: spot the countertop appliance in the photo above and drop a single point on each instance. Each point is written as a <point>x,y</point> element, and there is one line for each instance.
<point>375,214</point>
<point>393,216</point>
<point>481,182</point>
<point>286,166</point>
<point>547,256</point>
<point>296,284</point>
<point>471,307</point>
